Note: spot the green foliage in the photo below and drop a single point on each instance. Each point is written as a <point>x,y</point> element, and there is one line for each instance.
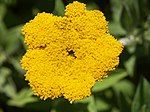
<point>6,83</point>
<point>141,102</point>
<point>110,81</point>
<point>22,98</point>
<point>59,7</point>
<point>130,65</point>
<point>122,91</point>
<point>8,2</point>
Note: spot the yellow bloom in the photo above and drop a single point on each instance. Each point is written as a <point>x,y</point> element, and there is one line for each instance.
<point>67,55</point>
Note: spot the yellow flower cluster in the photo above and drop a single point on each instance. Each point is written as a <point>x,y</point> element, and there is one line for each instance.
<point>67,55</point>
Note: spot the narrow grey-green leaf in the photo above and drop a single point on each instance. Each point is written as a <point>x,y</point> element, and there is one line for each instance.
<point>147,35</point>
<point>92,6</point>
<point>110,81</point>
<point>16,64</point>
<point>92,106</point>
<point>116,29</point>
<point>7,85</point>
<point>22,98</point>
<point>2,57</point>
<point>2,11</point>
<point>126,19</point>
<point>4,72</point>
<point>3,31</point>
<point>123,103</point>
<point>9,89</point>
<point>141,101</point>
<point>12,39</point>
<point>130,65</point>
<point>59,7</point>
<point>124,86</point>
<point>101,105</point>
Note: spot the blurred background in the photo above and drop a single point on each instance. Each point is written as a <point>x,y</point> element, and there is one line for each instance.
<point>127,89</point>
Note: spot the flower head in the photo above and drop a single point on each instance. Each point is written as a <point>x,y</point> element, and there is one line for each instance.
<point>67,55</point>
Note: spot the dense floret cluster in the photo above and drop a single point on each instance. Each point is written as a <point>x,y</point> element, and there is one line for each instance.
<point>67,55</point>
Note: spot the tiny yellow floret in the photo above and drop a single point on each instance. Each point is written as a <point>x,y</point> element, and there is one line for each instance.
<point>67,55</point>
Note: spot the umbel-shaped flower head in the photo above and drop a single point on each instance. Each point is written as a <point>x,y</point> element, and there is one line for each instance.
<point>67,55</point>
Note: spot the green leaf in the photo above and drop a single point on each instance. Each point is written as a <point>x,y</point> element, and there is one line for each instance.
<point>16,64</point>
<point>13,39</point>
<point>2,57</point>
<point>131,46</point>
<point>9,89</point>
<point>116,29</point>
<point>141,101</point>
<point>147,35</point>
<point>4,72</point>
<point>125,87</point>
<point>101,105</point>
<point>3,31</point>
<point>85,100</point>
<point>2,11</point>
<point>116,6</point>
<point>144,9</point>
<point>22,98</point>
<point>92,106</point>
<point>124,91</point>
<point>127,19</point>
<point>136,9</point>
<point>95,104</point>
<point>123,103</point>
<point>130,15</point>
<point>110,81</point>
<point>59,8</point>
<point>91,6</point>
<point>6,83</point>
<point>8,2</point>
<point>114,25</point>
<point>130,65</point>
